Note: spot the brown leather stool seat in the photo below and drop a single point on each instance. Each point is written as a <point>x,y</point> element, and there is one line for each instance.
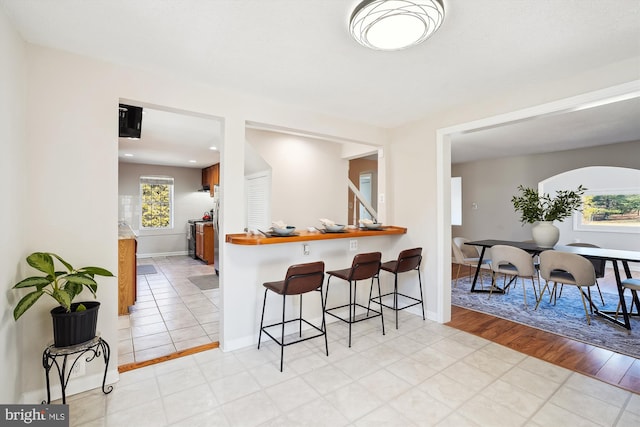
<point>300,279</point>
<point>408,260</point>
<point>364,266</point>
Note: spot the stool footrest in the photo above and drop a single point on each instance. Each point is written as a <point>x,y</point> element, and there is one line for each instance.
<point>376,300</point>
<point>375,313</point>
<point>281,340</point>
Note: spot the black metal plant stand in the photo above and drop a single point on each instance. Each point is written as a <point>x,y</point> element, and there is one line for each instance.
<point>93,348</point>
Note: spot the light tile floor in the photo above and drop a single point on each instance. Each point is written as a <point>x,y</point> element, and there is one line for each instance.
<point>424,374</point>
<point>170,312</point>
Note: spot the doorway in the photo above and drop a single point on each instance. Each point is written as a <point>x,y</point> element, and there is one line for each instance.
<point>171,313</point>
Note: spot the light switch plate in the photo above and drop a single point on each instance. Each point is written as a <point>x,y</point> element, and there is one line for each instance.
<point>353,245</point>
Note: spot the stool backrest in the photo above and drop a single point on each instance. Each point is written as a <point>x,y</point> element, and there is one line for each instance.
<point>365,266</point>
<point>409,259</point>
<point>302,278</point>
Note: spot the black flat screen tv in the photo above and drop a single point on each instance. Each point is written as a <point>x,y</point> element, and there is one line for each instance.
<point>130,121</point>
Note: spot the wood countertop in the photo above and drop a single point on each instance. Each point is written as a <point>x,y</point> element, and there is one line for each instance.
<point>305,236</point>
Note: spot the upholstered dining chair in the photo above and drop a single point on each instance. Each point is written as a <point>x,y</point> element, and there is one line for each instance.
<point>634,286</point>
<point>568,269</point>
<point>467,255</point>
<point>599,266</point>
<point>513,262</point>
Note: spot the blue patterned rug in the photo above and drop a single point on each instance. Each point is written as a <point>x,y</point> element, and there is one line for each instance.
<point>566,318</point>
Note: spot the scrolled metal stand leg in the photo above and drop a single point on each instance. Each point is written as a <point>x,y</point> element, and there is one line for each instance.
<point>106,352</point>
<point>47,368</point>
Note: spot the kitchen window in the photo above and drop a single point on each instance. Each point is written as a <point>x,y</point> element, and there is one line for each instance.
<point>156,201</point>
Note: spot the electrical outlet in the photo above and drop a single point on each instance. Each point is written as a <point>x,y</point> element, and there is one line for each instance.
<point>353,245</point>
<point>78,368</point>
<point>305,249</point>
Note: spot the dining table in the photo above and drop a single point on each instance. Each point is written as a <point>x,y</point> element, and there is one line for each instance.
<point>616,256</point>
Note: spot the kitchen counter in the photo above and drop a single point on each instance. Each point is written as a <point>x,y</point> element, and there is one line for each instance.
<point>305,236</point>
<point>125,231</point>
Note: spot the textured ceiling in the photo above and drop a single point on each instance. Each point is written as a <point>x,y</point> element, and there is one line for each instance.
<point>300,53</point>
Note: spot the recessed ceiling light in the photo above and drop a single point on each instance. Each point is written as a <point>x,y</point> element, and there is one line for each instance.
<point>128,155</point>
<point>395,24</point>
<point>213,148</point>
<point>192,161</point>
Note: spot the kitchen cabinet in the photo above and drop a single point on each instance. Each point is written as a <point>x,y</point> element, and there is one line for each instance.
<point>211,177</point>
<point>127,274</point>
<point>204,242</point>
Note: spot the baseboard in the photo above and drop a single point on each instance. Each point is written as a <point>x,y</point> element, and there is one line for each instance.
<point>75,386</point>
<point>161,254</point>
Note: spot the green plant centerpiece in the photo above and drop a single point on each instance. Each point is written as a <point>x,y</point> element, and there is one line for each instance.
<point>64,287</point>
<point>544,209</point>
<point>533,206</point>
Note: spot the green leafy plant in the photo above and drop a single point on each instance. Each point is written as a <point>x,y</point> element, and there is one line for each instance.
<point>63,286</point>
<point>542,207</point>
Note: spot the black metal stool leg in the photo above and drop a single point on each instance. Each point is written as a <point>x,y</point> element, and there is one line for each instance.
<point>395,296</point>
<point>264,302</point>
<point>284,306</point>
<point>380,299</point>
<point>421,297</point>
<point>350,312</point>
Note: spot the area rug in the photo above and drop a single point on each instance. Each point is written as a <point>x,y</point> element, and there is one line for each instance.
<point>145,269</point>
<point>206,281</point>
<point>566,318</point>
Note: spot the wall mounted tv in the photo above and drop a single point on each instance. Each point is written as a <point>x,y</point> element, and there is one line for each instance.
<point>130,121</point>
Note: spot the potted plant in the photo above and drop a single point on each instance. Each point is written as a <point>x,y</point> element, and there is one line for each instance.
<point>73,322</point>
<point>544,209</point>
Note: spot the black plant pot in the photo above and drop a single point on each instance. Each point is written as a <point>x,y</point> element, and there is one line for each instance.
<point>74,327</point>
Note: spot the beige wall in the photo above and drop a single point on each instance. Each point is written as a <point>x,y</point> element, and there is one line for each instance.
<point>308,177</point>
<point>14,215</point>
<point>188,204</point>
<point>492,183</point>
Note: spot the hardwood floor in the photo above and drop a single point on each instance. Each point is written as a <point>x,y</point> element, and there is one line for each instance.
<point>605,365</point>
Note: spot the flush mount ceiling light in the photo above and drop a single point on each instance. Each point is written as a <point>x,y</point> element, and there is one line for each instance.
<point>395,24</point>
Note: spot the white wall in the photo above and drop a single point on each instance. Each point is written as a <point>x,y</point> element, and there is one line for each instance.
<point>491,184</point>
<point>308,177</point>
<point>420,156</point>
<point>188,204</point>
<point>14,215</point>
<point>72,146</point>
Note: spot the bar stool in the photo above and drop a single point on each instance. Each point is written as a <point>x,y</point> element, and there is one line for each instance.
<point>408,260</point>
<point>300,279</point>
<point>364,266</point>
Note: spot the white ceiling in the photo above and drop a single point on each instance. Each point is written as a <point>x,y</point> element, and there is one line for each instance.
<point>170,138</point>
<point>300,53</point>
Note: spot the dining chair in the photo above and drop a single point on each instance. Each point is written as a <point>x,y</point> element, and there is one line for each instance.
<point>634,286</point>
<point>300,279</point>
<point>513,262</point>
<point>363,267</point>
<point>408,260</point>
<point>569,269</point>
<point>599,266</point>
<point>468,255</point>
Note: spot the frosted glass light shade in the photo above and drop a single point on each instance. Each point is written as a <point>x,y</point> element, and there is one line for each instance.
<point>395,24</point>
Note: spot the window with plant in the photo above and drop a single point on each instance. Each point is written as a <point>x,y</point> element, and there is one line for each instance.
<point>156,194</point>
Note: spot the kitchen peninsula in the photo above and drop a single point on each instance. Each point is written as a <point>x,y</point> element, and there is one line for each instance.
<point>256,259</point>
<point>305,236</point>
<point>127,268</point>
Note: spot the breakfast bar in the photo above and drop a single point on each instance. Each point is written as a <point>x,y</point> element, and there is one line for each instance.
<point>306,236</point>
<point>258,258</point>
